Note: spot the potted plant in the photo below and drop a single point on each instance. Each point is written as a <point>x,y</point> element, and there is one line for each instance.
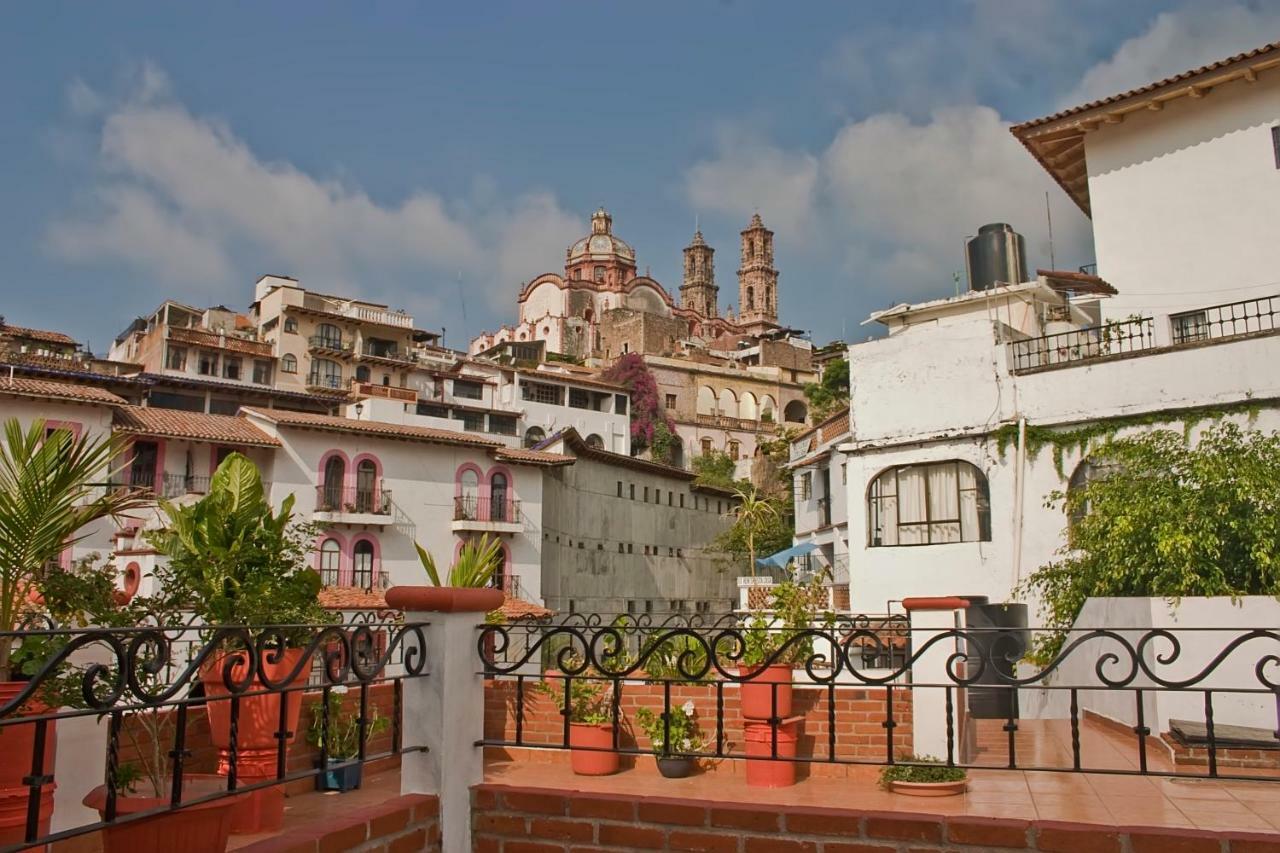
<point>236,561</point>
<point>49,494</point>
<point>675,738</point>
<point>337,736</point>
<point>467,587</point>
<point>775,640</point>
<point>591,751</point>
<point>923,776</point>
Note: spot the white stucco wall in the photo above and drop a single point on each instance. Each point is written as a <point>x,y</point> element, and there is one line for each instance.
<point>1185,201</point>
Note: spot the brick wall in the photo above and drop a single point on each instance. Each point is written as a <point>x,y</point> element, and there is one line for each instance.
<point>1234,757</point>
<point>859,712</point>
<point>399,825</point>
<point>539,820</point>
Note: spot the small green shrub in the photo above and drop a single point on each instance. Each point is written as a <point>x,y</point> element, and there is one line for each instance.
<point>920,768</point>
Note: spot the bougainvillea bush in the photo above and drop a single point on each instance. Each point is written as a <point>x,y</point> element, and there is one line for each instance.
<point>651,429</point>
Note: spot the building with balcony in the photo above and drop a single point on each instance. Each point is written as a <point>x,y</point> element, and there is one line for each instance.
<point>1175,327</point>
<point>819,497</point>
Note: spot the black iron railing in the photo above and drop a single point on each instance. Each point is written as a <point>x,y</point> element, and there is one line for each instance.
<point>1220,322</point>
<point>124,676</point>
<point>1079,345</point>
<point>870,683</point>
<point>485,508</point>
<point>353,499</point>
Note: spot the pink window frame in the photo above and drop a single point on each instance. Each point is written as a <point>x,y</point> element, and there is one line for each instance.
<point>343,554</point>
<point>377,470</point>
<point>374,569</point>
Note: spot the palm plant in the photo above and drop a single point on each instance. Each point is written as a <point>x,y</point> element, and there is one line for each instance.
<point>753,514</point>
<point>477,563</point>
<point>51,490</point>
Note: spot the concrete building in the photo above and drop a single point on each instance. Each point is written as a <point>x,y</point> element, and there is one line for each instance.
<point>625,535</point>
<point>819,493</point>
<point>943,494</point>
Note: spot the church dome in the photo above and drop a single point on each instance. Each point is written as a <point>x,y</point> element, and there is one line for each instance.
<point>600,244</point>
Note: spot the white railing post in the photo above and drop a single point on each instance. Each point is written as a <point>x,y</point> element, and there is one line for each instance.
<point>930,618</point>
<point>444,711</point>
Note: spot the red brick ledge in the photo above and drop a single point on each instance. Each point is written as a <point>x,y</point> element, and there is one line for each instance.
<point>508,818</point>
<point>406,823</point>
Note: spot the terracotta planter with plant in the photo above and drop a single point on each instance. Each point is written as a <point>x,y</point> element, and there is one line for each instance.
<point>924,776</point>
<point>675,738</point>
<point>335,731</point>
<point>466,588</point>
<point>200,828</point>
<point>591,750</point>
<point>48,497</point>
<point>776,639</point>
<point>237,561</point>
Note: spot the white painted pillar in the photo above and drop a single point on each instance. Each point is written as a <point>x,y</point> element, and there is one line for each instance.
<point>80,765</point>
<point>444,711</point>
<point>931,617</point>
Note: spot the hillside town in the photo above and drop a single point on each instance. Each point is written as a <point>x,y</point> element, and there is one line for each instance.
<point>1020,522</point>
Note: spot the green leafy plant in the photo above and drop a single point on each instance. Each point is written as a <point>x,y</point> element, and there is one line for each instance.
<point>234,560</point>
<point>478,561</point>
<point>715,468</point>
<point>682,724</point>
<point>830,393</point>
<point>1169,521</point>
<point>794,610</point>
<point>52,487</point>
<point>343,737</point>
<point>675,656</point>
<point>756,519</point>
<point>590,700</point>
<point>920,768</point>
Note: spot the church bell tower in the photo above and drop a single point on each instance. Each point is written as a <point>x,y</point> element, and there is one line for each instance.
<point>757,278</point>
<point>699,293</point>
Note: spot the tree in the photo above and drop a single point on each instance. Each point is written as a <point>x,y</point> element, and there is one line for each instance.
<point>715,468</point>
<point>650,426</point>
<point>760,525</point>
<point>1168,520</point>
<point>830,393</point>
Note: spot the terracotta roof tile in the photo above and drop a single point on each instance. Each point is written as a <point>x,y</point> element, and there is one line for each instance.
<point>331,423</point>
<point>173,423</point>
<point>574,440</point>
<point>835,426</point>
<point>24,387</point>
<point>533,457</point>
<point>207,338</point>
<point>1078,281</point>
<point>352,598</point>
<point>37,334</point>
<point>518,608</point>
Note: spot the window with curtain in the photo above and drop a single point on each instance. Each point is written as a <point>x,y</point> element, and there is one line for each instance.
<point>330,562</point>
<point>929,504</point>
<point>362,564</point>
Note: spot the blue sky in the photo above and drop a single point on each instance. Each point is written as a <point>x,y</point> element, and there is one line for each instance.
<point>435,158</point>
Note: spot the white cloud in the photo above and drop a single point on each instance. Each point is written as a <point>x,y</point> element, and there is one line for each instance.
<point>183,197</point>
<point>1175,42</point>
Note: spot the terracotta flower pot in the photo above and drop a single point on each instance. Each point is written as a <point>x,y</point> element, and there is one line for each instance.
<point>763,770</point>
<point>259,720</point>
<point>445,599</point>
<point>757,691</point>
<point>17,743</point>
<point>929,789</point>
<point>202,828</point>
<point>585,739</point>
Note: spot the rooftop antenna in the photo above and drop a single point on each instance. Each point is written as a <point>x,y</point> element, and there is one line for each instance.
<point>1048,215</point>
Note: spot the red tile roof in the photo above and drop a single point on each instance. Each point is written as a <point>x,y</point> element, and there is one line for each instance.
<point>37,334</point>
<point>1077,282</point>
<point>331,423</point>
<point>197,426</point>
<point>207,338</point>
<point>518,608</point>
<point>23,387</point>
<point>531,457</point>
<point>352,598</point>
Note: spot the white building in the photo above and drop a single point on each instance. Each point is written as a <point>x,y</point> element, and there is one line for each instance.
<point>820,489</point>
<point>1180,179</point>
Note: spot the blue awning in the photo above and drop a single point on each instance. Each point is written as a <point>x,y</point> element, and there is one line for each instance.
<point>786,555</point>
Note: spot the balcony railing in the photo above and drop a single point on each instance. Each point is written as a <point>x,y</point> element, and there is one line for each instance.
<point>140,480</point>
<point>727,422</point>
<point>370,351</point>
<point>484,508</point>
<point>330,344</point>
<point>358,312</point>
<point>1078,345</point>
<point>177,485</point>
<point>353,500</point>
<point>331,381</point>
<point>1221,322</point>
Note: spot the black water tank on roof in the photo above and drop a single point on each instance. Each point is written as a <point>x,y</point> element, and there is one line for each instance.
<point>997,255</point>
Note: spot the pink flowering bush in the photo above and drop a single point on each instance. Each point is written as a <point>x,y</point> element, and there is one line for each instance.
<point>650,426</point>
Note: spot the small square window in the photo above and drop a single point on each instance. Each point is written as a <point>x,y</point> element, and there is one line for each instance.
<point>619,488</point>
<point>671,401</point>
<point>633,491</point>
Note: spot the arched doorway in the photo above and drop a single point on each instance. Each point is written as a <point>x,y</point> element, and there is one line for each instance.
<point>335,471</point>
<point>498,497</point>
<point>366,486</point>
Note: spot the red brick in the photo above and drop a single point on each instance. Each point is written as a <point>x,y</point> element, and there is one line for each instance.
<point>1145,840</point>
<point>424,808</point>
<point>389,823</point>
<point>671,813</point>
<point>1254,842</point>
<point>855,847</point>
<point>1057,837</point>
<point>524,801</point>
<point>484,798</point>
<point>283,844</point>
<point>411,843</point>
<point>608,809</point>
<point>755,819</point>
<point>702,842</point>
<point>905,828</point>
<point>342,840</point>
<point>564,830</point>
<point>824,824</point>
<point>631,837</point>
<point>485,845</point>
<point>988,832</point>
<point>531,847</point>
<point>779,845</point>
<point>497,823</point>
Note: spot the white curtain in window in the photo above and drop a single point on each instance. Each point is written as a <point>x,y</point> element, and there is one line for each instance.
<point>912,506</point>
<point>884,510</point>
<point>969,525</point>
<point>944,507</point>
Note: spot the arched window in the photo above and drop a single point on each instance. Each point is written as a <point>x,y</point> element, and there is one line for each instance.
<point>595,441</point>
<point>751,299</point>
<point>747,409</point>
<point>599,273</point>
<point>795,412</point>
<point>1078,504</point>
<point>330,561</point>
<point>706,401</point>
<point>727,403</point>
<point>362,373</point>
<point>366,486</point>
<point>768,408</point>
<point>677,454</point>
<point>325,373</point>
<point>735,449</point>
<point>498,508</point>
<point>362,569</point>
<point>289,363</point>
<point>329,336</point>
<point>929,504</point>
<point>335,472</point>
<point>533,435</point>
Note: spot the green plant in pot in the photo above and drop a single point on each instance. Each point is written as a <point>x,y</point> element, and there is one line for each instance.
<point>675,738</point>
<point>467,586</point>
<point>776,638</point>
<point>335,731</point>
<point>51,493</point>
<point>923,776</point>
<point>236,561</point>
<point>590,707</point>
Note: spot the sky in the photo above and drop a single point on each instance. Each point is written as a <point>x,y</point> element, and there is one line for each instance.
<point>437,157</point>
